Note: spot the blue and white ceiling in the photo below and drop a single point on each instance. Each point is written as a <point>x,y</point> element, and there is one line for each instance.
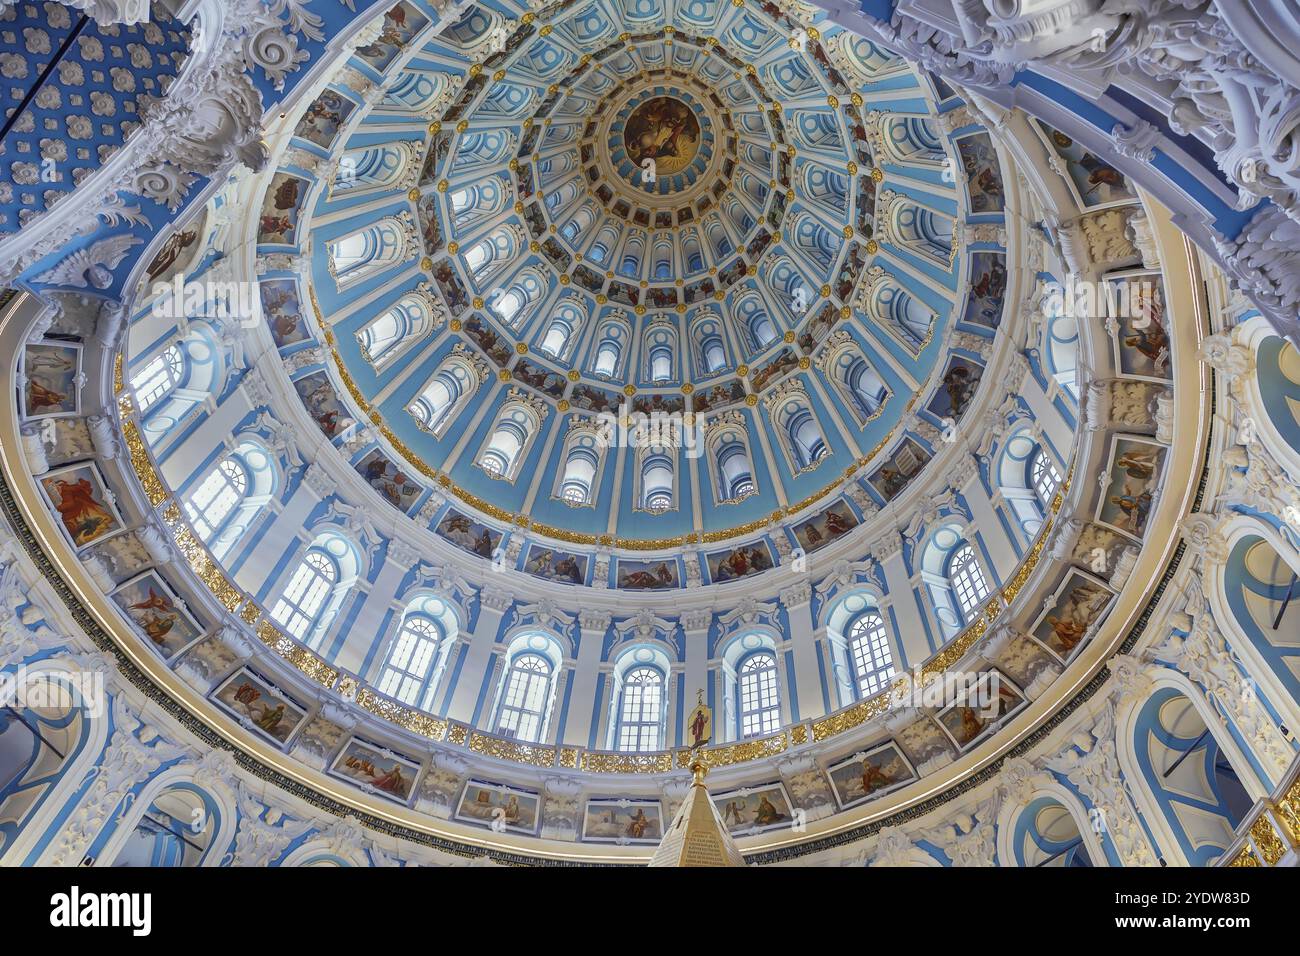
<point>491,272</point>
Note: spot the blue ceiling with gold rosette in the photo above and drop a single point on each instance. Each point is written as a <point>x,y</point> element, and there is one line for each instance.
<point>493,277</point>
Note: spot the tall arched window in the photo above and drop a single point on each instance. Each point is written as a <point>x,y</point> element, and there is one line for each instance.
<point>579,476</point>
<point>802,439</point>
<point>435,402</point>
<point>736,475</point>
<point>159,376</point>
<point>759,706</point>
<point>1044,477</point>
<point>873,661</point>
<point>562,332</point>
<point>436,405</point>
<point>607,358</point>
<point>503,450</point>
<point>660,349</point>
<point>368,251</point>
<point>728,450</point>
<point>418,655</point>
<point>471,205</point>
<point>174,382</point>
<point>229,496</point>
<point>867,388</point>
<point>611,344</point>
<point>503,453</point>
<point>641,708</point>
<point>1026,480</point>
<point>522,713</point>
<point>316,588</point>
<point>371,168</point>
<point>967,579</point>
<point>392,332</point>
<point>661,363</point>
<point>299,608</point>
<point>763,331</point>
<point>657,481</point>
<point>807,440</point>
<point>513,303</point>
<point>410,662</point>
<point>557,337</point>
<point>715,356</point>
<point>217,496</point>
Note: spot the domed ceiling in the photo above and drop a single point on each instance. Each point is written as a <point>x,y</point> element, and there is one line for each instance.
<point>561,322</point>
<point>559,338</point>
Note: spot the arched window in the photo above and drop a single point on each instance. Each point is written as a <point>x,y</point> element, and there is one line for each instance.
<point>661,363</point>
<point>641,709</point>
<point>763,331</point>
<point>607,358</point>
<point>227,499</point>
<point>174,382</point>
<point>522,713</point>
<point>503,450</point>
<point>316,588</point>
<point>923,231</point>
<point>418,654</point>
<point>410,662</point>
<point>502,455</point>
<point>728,449</point>
<point>611,342</point>
<point>175,830</point>
<point>660,347</point>
<point>737,479</point>
<point>760,706</point>
<point>806,439</point>
<point>657,480</point>
<point>579,475</point>
<point>715,356</point>
<point>873,662</point>
<point>433,404</point>
<point>1044,477</point>
<point>802,439</point>
<point>299,607</point>
<point>1026,479</point>
<point>436,405</point>
<point>478,203</point>
<point>216,498</point>
<point>967,579</point>
<point>159,376</point>
<point>367,251</point>
<point>867,388</point>
<point>395,330</point>
<point>557,338</point>
<point>512,304</point>
<point>562,331</point>
<point>488,257</point>
<point>372,168</point>
<point>896,310</point>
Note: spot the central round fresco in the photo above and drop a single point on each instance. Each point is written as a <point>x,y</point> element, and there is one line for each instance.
<point>663,129</point>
